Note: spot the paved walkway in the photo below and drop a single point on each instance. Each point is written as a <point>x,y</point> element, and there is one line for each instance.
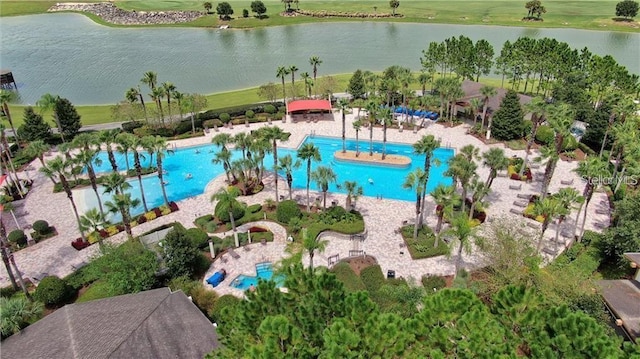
<point>55,256</point>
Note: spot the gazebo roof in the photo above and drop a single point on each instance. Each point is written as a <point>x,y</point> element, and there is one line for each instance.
<point>305,105</point>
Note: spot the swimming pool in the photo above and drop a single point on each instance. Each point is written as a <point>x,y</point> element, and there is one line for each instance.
<point>263,271</point>
<point>385,181</point>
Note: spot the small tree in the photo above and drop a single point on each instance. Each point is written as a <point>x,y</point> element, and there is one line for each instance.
<point>68,118</point>
<point>508,123</point>
<point>534,7</point>
<point>180,254</point>
<point>245,13</point>
<point>34,127</point>
<point>207,7</point>
<point>627,9</point>
<point>356,85</point>
<point>259,8</point>
<point>394,4</point>
<point>224,10</point>
<point>268,92</point>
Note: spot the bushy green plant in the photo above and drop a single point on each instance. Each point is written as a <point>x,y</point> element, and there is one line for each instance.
<point>254,208</point>
<point>270,109</point>
<point>225,117</point>
<point>52,291</point>
<point>18,237</point>
<point>223,302</point>
<point>250,114</point>
<point>570,143</point>
<point>183,283</point>
<point>344,273</point>
<point>202,221</point>
<point>287,210</point>
<point>198,237</point>
<point>544,134</point>
<point>41,226</point>
<point>222,211</point>
<point>431,282</point>
<point>180,253</point>
<point>295,224</point>
<point>372,278</point>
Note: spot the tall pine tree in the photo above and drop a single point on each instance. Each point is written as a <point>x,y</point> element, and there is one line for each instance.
<point>68,117</point>
<point>34,128</point>
<point>508,122</point>
<point>356,85</point>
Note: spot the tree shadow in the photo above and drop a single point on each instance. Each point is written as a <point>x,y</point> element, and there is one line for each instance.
<point>622,19</point>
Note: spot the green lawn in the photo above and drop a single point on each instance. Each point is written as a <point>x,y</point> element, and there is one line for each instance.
<point>595,15</point>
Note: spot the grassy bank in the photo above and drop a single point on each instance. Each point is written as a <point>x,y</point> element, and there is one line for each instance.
<point>593,15</point>
<point>92,115</point>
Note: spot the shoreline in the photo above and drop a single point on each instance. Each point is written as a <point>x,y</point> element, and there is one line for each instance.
<point>210,21</point>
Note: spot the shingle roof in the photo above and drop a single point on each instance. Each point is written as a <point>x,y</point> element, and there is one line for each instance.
<point>471,90</point>
<point>153,324</point>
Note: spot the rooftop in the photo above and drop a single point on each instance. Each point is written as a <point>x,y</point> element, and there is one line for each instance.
<point>623,298</point>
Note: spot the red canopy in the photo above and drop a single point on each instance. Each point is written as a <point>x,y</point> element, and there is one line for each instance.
<point>304,105</point>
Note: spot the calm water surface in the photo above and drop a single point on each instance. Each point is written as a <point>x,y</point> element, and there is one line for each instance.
<point>70,55</point>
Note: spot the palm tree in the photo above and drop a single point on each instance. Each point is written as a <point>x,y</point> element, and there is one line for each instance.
<point>87,157</point>
<point>423,79</point>
<point>48,102</point>
<point>462,169</point>
<point>495,159</point>
<point>227,197</point>
<point>372,108</point>
<point>461,229</point>
<point>156,95</point>
<point>159,147</point>
<point>133,95</point>
<point>307,83</point>
<point>169,88</point>
<point>567,197</point>
<point>446,199</point>
<point>125,142</point>
<point>343,105</point>
<point>60,167</point>
<point>224,156</point>
<point>479,190</point>
<point>475,104</point>
<point>150,79</point>
<point>315,61</point>
<point>323,176</point>
<point>386,117</point>
<point>548,208</point>
<point>122,203</point>
<point>281,73</point>
<point>538,108</point>
<point>93,220</point>
<point>487,92</point>
<point>415,181</point>
<point>560,118</point>
<point>625,106</point>
<point>311,245</point>
<point>357,125</point>
<point>425,146</point>
<point>114,183</point>
<point>591,171</point>
<point>9,260</point>
<point>7,97</point>
<point>137,143</point>
<point>292,70</point>
<point>242,141</point>
<point>273,134</point>
<point>354,191</point>
<point>179,97</point>
<point>287,165</point>
<point>38,149</point>
<point>108,138</point>
<point>308,152</point>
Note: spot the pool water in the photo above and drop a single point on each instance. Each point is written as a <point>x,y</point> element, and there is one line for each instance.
<point>375,180</point>
<point>263,271</point>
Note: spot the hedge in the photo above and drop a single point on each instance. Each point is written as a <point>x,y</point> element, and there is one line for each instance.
<point>286,210</point>
<point>346,275</point>
<point>41,226</point>
<point>372,278</point>
<point>222,212</point>
<point>52,291</point>
<point>131,126</point>
<point>237,111</point>
<point>18,237</point>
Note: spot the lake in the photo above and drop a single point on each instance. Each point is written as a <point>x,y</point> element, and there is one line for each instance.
<point>70,55</point>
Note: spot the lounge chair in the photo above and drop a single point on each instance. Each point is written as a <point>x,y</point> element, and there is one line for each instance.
<point>523,196</point>
<point>549,251</point>
<point>599,225</point>
<point>515,186</point>
<point>522,204</point>
<point>263,242</point>
<point>603,211</point>
<point>567,182</point>
<point>534,225</point>
<point>515,211</point>
<point>233,253</point>
<point>246,248</point>
<point>566,234</point>
<point>534,166</point>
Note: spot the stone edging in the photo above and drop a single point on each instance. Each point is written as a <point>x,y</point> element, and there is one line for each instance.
<point>114,15</point>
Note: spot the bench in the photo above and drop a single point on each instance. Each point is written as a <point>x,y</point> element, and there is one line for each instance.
<point>515,211</point>
<point>567,182</point>
<point>603,211</point>
<point>522,204</point>
<point>549,251</point>
<point>534,225</point>
<point>515,186</point>
<point>523,196</point>
<point>233,253</point>
<point>246,248</point>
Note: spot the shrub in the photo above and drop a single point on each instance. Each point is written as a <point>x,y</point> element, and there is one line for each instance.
<point>225,117</point>
<point>42,227</point>
<point>545,134</point>
<point>52,291</point>
<point>372,278</point>
<point>223,302</point>
<point>222,212</point>
<point>287,210</point>
<point>250,114</point>
<point>433,282</point>
<point>344,273</point>
<point>279,115</point>
<point>270,109</point>
<point>18,237</point>
<point>254,208</point>
<point>570,143</point>
<point>211,227</point>
<point>151,215</point>
<point>198,237</point>
<point>131,126</point>
<point>202,221</point>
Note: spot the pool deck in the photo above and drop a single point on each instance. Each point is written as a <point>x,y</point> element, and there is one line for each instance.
<point>55,256</point>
